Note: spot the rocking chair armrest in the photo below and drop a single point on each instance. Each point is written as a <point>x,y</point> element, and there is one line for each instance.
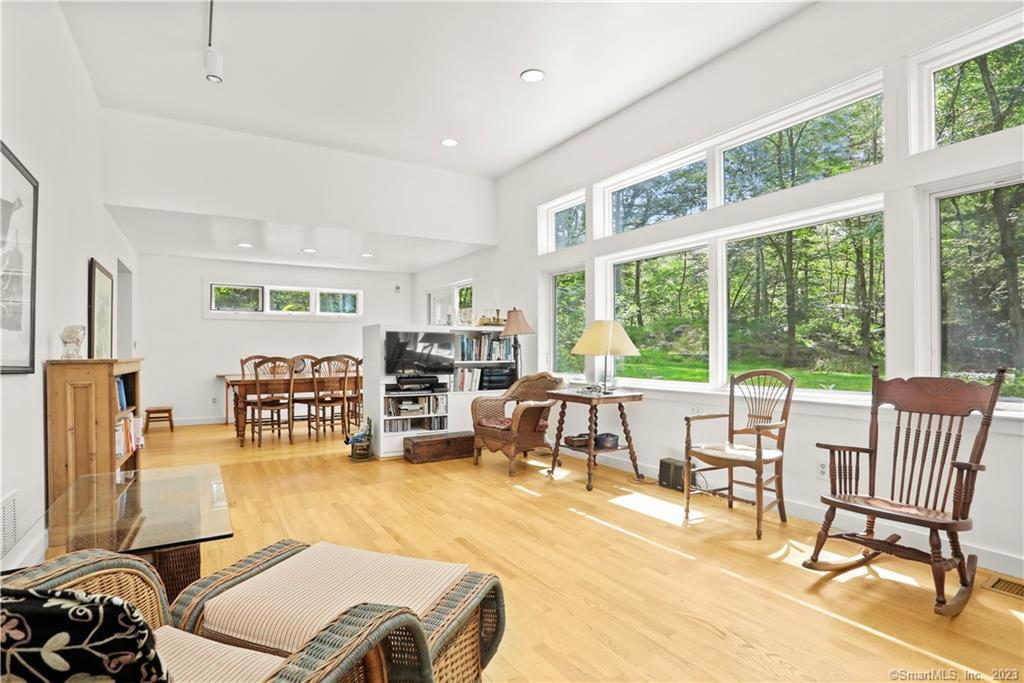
<point>969,466</point>
<point>694,418</point>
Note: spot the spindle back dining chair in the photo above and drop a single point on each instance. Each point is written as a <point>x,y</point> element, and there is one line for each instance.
<point>330,374</point>
<point>932,475</point>
<point>353,408</point>
<point>304,368</point>
<point>764,401</point>
<point>274,377</point>
<point>248,367</point>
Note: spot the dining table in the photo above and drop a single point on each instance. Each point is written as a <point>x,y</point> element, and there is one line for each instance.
<point>237,389</point>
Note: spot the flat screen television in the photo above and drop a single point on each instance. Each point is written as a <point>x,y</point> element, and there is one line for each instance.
<point>428,353</point>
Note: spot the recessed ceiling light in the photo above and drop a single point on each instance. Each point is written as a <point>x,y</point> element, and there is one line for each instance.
<point>532,75</point>
<point>449,142</point>
<point>309,250</point>
<point>245,245</point>
<point>366,254</point>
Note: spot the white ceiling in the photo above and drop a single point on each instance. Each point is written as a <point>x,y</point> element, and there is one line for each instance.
<point>392,79</point>
<point>184,234</point>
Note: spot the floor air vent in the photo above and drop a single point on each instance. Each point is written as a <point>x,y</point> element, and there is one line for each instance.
<point>1007,586</point>
<point>9,522</point>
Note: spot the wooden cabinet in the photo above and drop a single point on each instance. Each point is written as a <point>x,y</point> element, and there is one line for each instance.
<point>83,414</point>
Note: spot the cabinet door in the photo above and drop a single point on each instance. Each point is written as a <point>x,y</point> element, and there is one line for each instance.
<point>80,411</point>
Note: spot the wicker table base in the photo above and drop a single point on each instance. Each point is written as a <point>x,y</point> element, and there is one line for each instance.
<point>178,567</point>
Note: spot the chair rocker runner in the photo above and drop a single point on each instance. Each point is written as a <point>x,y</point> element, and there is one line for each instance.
<point>767,395</point>
<point>931,414</point>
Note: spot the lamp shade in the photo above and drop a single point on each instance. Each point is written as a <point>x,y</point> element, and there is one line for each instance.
<point>605,338</point>
<point>516,324</point>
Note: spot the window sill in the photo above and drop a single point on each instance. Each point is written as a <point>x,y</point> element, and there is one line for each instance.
<point>282,316</point>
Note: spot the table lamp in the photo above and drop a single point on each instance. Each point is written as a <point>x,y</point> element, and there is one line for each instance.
<point>605,338</point>
<point>516,325</point>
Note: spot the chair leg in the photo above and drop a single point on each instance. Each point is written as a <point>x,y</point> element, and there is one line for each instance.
<point>938,573</point>
<point>778,491</point>
<point>759,497</point>
<point>729,497</point>
<point>830,515</point>
<point>687,466</point>
<point>958,555</point>
<point>291,420</point>
<point>476,455</point>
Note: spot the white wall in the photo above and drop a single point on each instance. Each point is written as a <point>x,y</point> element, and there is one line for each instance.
<point>51,122</point>
<point>817,49</point>
<point>158,163</point>
<point>185,348</point>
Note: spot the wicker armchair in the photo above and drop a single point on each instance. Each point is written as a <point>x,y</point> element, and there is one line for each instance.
<point>526,429</point>
<point>368,642</point>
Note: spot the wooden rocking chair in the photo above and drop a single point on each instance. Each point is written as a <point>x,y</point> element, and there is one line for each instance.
<point>930,417</point>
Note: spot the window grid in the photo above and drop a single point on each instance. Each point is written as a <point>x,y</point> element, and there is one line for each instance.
<point>313,299</point>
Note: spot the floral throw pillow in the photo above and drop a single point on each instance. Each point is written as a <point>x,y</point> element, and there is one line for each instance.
<point>71,636</point>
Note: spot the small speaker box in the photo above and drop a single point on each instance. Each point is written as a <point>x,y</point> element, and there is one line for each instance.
<point>670,474</point>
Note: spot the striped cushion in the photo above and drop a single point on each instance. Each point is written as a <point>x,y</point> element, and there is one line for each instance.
<point>197,660</point>
<point>280,609</point>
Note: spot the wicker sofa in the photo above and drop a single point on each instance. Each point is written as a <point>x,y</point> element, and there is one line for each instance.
<point>370,642</point>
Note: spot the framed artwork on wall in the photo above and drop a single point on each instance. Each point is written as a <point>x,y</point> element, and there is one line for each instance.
<point>101,311</point>
<point>19,209</point>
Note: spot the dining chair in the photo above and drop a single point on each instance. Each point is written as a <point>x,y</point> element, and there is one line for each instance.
<point>248,365</point>
<point>353,406</point>
<point>329,396</point>
<point>275,377</point>
<point>304,368</point>
<point>766,396</point>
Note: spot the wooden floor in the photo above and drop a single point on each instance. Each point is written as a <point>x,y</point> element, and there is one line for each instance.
<point>611,584</point>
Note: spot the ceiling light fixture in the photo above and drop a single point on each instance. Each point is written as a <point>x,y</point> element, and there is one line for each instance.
<point>308,250</point>
<point>366,254</point>
<point>245,245</point>
<point>532,75</point>
<point>449,142</point>
<point>214,59</point>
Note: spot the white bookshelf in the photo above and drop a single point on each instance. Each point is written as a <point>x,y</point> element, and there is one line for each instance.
<point>456,417</point>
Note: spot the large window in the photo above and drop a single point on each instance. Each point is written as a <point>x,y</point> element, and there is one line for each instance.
<point>669,195</point>
<point>982,267</point>
<point>236,298</point>
<point>981,95</point>
<point>662,302</point>
<point>831,144</point>
<point>571,226</point>
<point>570,291</point>
<point>810,302</point>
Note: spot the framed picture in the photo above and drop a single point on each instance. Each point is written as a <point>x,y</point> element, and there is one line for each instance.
<point>101,311</point>
<point>19,210</point>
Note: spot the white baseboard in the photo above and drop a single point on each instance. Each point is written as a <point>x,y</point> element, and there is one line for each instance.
<point>199,420</point>
<point>988,558</point>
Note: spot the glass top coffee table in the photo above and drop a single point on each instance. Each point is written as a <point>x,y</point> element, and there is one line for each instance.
<point>161,514</point>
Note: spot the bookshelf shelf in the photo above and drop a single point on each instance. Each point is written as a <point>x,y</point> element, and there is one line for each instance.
<point>414,417</point>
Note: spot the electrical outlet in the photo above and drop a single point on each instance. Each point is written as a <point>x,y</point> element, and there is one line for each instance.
<point>822,470</point>
<point>214,400</point>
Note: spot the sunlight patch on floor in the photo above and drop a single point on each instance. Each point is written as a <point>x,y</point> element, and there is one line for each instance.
<point>657,508</point>
<point>794,553</point>
<point>1018,614</point>
<point>863,627</point>
<point>632,534</point>
<point>560,472</point>
<point>523,489</point>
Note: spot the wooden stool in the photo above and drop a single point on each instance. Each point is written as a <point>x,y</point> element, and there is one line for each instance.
<point>159,414</point>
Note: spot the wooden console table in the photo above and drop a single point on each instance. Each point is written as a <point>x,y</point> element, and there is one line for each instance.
<point>567,396</point>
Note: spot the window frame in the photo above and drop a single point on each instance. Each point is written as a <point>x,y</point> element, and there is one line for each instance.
<point>358,293</point>
<point>546,220</point>
<point>210,306</point>
<point>552,337</point>
<point>930,323</point>
<point>604,189</point>
<point>923,65</point>
<point>450,290</point>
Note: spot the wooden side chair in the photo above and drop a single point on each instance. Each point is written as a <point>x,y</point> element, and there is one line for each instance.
<point>766,395</point>
<point>329,397</point>
<point>354,393</point>
<point>304,363</point>
<point>526,429</point>
<point>248,368</point>
<point>274,384</point>
<point>931,414</point>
